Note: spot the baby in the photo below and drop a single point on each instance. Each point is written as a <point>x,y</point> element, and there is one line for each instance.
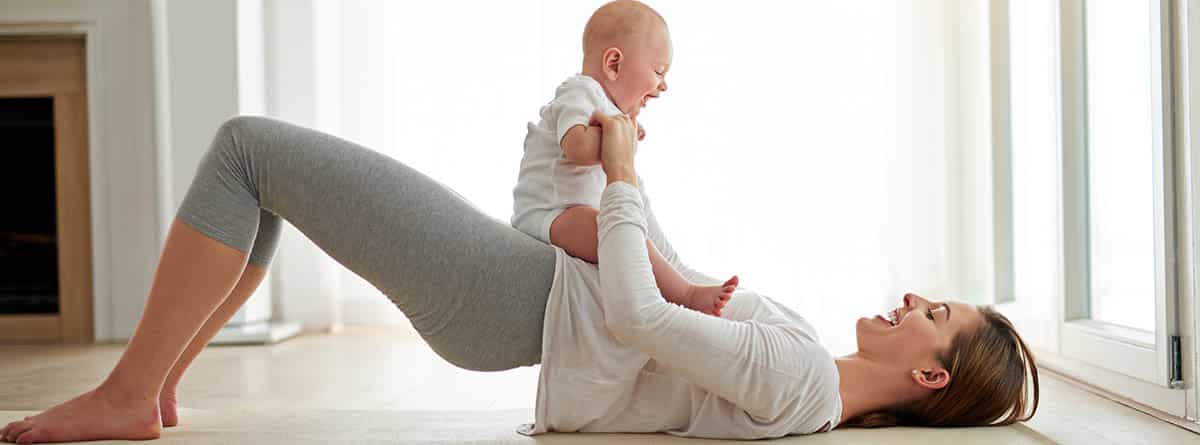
<point>626,55</point>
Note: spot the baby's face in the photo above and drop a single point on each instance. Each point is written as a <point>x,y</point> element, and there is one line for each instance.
<point>643,75</point>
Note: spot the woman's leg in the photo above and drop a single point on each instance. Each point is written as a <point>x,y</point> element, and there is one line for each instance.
<point>473,287</point>
<point>193,275</point>
<point>167,400</point>
<point>259,262</point>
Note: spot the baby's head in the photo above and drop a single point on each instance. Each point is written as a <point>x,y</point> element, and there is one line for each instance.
<point>627,48</point>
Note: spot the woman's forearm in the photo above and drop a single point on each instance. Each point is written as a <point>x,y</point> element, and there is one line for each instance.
<point>621,174</point>
<point>753,356</point>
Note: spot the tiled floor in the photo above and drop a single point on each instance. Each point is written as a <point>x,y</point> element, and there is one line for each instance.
<point>369,371</point>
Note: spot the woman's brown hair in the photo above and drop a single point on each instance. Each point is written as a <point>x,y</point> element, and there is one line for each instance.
<point>987,382</point>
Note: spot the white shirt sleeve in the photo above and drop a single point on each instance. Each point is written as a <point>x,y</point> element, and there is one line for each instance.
<point>573,105</point>
<point>760,366</point>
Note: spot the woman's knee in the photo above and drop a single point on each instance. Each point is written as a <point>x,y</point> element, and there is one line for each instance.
<point>236,125</point>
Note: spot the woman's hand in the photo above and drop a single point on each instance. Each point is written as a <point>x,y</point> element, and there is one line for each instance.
<point>618,144</point>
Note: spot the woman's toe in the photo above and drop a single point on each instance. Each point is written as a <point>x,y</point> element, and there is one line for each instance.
<point>15,430</point>
<point>27,437</point>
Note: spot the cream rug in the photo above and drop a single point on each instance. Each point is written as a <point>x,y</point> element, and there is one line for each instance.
<point>490,427</point>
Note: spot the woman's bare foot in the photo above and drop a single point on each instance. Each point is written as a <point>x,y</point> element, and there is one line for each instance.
<point>166,408</point>
<point>709,299</point>
<point>93,415</point>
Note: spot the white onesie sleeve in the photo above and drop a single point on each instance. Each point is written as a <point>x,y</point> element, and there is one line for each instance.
<point>763,367</point>
<point>574,102</point>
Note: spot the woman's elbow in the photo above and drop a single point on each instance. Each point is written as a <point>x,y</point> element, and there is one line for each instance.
<point>631,323</point>
<point>620,325</point>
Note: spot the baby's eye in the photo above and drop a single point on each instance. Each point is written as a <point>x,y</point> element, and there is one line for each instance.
<point>929,313</point>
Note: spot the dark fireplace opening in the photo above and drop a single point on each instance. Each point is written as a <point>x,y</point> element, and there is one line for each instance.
<point>28,230</point>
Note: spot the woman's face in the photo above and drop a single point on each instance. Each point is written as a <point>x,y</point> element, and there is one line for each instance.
<point>911,336</point>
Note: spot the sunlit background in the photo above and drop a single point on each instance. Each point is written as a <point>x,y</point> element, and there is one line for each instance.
<point>835,155</point>
<point>801,145</point>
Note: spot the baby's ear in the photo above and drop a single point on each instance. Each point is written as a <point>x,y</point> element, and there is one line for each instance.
<point>612,63</point>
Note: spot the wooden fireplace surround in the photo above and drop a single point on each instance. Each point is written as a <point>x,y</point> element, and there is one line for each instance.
<point>46,66</point>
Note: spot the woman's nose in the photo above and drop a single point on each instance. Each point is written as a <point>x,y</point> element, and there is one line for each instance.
<point>662,86</point>
<point>910,299</point>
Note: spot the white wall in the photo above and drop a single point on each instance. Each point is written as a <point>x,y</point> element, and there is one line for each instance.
<point>208,67</point>
<point>197,68</point>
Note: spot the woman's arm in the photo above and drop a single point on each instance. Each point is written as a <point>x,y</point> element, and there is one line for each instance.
<point>758,367</point>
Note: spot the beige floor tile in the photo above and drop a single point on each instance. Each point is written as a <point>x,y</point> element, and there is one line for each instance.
<point>386,386</point>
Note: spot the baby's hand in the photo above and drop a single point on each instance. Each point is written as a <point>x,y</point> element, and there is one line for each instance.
<point>641,132</point>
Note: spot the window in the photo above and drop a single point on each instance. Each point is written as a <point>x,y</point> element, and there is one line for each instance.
<point>1092,185</point>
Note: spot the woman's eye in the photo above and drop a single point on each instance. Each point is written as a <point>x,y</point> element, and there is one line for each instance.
<point>929,313</point>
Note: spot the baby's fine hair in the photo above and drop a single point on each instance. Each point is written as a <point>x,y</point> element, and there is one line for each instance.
<point>617,21</point>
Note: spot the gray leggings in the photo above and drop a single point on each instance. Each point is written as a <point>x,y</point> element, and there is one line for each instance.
<point>473,287</point>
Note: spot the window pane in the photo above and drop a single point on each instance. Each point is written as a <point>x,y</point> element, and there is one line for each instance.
<point>1120,162</point>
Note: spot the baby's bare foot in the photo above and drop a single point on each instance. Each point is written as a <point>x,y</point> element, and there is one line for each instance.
<point>93,415</point>
<point>166,407</point>
<point>709,299</point>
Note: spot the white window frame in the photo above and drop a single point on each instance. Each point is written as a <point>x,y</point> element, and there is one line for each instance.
<point>1127,362</point>
<point>1188,92</point>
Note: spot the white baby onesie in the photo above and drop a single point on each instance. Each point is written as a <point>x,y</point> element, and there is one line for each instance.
<point>548,183</point>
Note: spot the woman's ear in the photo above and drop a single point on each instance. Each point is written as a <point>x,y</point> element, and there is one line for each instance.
<point>612,63</point>
<point>934,378</point>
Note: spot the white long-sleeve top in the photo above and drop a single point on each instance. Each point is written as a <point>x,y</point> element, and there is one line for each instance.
<point>616,357</point>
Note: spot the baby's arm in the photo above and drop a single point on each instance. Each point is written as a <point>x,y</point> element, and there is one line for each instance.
<point>581,144</point>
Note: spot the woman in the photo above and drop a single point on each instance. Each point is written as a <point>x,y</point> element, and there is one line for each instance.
<point>616,357</point>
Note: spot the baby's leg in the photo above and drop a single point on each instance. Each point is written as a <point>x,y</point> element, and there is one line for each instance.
<point>706,299</point>
<point>575,232</point>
